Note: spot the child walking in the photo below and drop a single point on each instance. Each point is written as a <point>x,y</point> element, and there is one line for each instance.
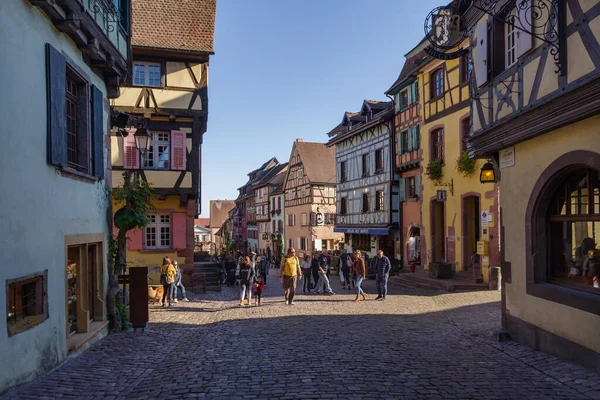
<point>259,286</point>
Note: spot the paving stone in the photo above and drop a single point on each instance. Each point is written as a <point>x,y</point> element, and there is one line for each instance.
<point>418,344</point>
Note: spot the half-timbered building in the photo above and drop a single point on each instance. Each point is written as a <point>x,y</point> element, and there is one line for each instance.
<point>172,42</point>
<point>277,207</point>
<point>454,200</point>
<point>366,188</point>
<point>61,62</point>
<point>262,190</point>
<point>536,108</point>
<point>408,155</point>
<point>310,198</point>
<point>246,206</point>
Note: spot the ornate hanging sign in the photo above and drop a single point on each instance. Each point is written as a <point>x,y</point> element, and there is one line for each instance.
<point>444,30</point>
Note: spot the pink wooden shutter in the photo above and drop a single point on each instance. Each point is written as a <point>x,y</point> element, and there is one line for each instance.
<point>131,159</point>
<point>136,239</point>
<point>179,229</point>
<point>178,156</point>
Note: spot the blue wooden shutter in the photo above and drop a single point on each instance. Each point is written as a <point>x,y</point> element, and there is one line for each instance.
<point>410,138</point>
<point>402,190</point>
<point>400,149</point>
<point>416,138</point>
<point>56,90</point>
<point>98,132</point>
<point>411,97</point>
<point>417,185</point>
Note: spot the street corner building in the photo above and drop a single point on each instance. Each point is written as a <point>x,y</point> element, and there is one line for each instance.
<point>172,42</point>
<point>535,105</point>
<point>459,214</point>
<point>61,63</point>
<point>367,185</point>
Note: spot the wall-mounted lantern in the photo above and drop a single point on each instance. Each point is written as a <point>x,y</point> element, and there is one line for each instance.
<point>488,174</point>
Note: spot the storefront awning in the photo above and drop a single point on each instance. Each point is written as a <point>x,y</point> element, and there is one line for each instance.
<point>363,231</point>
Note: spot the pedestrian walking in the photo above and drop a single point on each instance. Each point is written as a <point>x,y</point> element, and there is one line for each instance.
<point>383,268</point>
<point>314,267</point>
<point>306,271</point>
<point>346,266</point>
<point>359,272</point>
<point>264,269</point>
<point>179,288</point>
<point>259,286</point>
<point>167,279</point>
<point>323,283</point>
<point>288,274</point>
<point>246,277</point>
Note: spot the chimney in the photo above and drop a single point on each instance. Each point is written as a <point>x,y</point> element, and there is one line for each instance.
<point>299,140</point>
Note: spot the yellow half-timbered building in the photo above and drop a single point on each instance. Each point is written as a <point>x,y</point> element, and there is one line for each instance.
<point>169,87</point>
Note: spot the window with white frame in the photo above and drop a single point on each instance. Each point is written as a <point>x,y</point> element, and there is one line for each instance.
<point>303,243</point>
<point>158,155</point>
<point>304,220</point>
<point>511,45</point>
<point>146,74</point>
<point>329,191</point>
<point>157,234</point>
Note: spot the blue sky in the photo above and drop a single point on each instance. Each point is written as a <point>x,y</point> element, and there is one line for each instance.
<point>287,69</point>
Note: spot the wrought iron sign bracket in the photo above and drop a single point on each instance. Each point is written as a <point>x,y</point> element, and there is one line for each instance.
<point>544,15</point>
<point>449,185</point>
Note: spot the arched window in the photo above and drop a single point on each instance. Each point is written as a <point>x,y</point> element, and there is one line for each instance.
<point>573,222</point>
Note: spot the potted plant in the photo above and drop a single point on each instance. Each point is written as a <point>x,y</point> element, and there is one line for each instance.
<point>465,165</point>
<point>434,170</point>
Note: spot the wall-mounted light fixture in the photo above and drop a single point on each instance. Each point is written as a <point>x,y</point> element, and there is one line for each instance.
<point>488,174</point>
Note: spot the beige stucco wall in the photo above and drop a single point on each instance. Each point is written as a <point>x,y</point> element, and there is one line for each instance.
<point>531,159</point>
<point>40,207</point>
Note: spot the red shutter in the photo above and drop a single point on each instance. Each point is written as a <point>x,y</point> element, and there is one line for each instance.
<point>179,229</point>
<point>131,157</point>
<point>136,241</point>
<point>178,150</point>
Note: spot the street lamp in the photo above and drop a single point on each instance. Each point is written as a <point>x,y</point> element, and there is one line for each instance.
<point>142,139</point>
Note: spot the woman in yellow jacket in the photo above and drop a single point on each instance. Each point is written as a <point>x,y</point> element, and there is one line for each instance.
<point>289,273</point>
<point>167,279</point>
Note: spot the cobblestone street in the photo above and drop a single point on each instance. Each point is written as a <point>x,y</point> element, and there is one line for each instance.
<point>416,345</point>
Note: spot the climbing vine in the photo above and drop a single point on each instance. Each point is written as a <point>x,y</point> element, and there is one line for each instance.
<point>135,201</point>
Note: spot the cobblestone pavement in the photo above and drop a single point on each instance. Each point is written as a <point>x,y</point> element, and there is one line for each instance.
<point>416,345</point>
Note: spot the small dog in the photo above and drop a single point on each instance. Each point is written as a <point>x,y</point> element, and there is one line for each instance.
<point>155,294</point>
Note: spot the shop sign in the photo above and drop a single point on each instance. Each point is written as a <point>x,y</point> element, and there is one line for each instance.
<point>445,31</point>
<point>440,196</point>
<point>507,157</point>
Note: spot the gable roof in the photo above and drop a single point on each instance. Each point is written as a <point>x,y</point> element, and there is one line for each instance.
<point>202,221</point>
<point>411,66</point>
<point>270,175</point>
<point>277,182</point>
<point>358,119</point>
<point>187,25</point>
<point>318,161</point>
<point>219,212</point>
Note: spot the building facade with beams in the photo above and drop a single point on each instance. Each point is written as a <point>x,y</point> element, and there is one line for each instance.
<point>265,210</point>
<point>61,63</point>
<point>536,109</point>
<point>169,87</point>
<point>453,201</point>
<point>245,203</point>
<point>366,185</point>
<point>408,155</point>
<point>277,207</point>
<point>309,189</point>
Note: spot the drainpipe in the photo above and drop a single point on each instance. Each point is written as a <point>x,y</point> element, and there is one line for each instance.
<point>393,176</point>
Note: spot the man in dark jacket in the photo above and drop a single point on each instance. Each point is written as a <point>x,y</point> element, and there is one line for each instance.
<point>383,267</point>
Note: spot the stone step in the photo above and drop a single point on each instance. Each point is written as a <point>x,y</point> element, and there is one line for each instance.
<point>468,277</point>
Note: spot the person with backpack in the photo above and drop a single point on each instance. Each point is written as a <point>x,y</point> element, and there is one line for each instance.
<point>323,282</point>
<point>167,279</point>
<point>246,276</point>
<point>289,273</point>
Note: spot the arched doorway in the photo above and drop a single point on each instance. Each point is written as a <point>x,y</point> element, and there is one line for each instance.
<point>471,231</point>
<point>438,231</point>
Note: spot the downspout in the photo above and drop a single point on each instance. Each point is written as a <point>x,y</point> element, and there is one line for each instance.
<point>393,176</point>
